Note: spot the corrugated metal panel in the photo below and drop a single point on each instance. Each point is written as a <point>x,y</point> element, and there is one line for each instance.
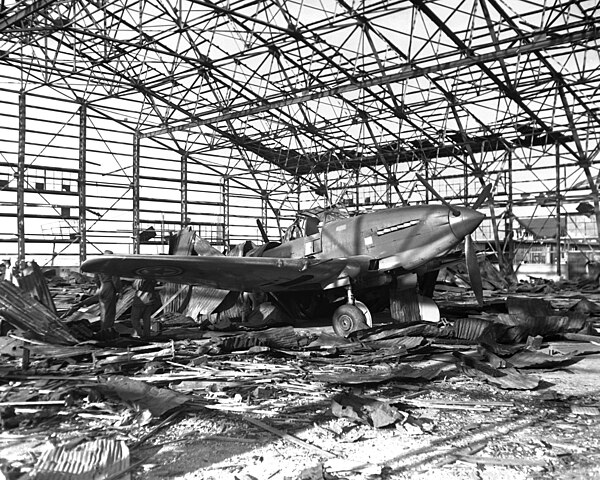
<point>178,303</point>
<point>184,242</point>
<point>35,283</point>
<point>95,460</point>
<point>125,301</point>
<point>27,313</point>
<point>240,309</point>
<point>204,300</point>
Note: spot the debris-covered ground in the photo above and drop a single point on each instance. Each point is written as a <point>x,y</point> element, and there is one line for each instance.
<point>508,391</point>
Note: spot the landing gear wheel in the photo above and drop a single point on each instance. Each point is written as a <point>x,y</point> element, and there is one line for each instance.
<point>347,319</point>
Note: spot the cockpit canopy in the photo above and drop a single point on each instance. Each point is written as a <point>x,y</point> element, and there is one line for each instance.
<point>303,226</point>
<point>310,222</point>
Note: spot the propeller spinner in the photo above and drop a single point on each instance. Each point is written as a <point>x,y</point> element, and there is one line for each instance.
<point>466,220</point>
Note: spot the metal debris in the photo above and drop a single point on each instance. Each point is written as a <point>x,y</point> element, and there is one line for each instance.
<point>249,374</point>
<point>30,315</point>
<point>98,459</point>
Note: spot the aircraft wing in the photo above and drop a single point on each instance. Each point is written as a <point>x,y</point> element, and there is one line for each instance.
<point>264,274</point>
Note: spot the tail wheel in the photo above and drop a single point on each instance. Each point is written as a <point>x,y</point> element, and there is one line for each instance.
<point>347,319</point>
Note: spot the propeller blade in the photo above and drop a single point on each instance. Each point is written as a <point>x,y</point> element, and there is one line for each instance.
<point>482,197</point>
<point>473,269</point>
<point>263,232</point>
<point>431,190</point>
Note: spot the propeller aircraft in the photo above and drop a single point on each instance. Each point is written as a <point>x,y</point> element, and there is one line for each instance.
<point>347,259</point>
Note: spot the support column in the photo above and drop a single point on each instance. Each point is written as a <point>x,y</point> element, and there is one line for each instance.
<point>558,206</point>
<point>356,191</point>
<point>225,193</point>
<point>184,189</point>
<point>298,194</point>
<point>504,265</point>
<point>427,177</point>
<point>508,223</point>
<point>135,185</point>
<point>21,180</point>
<point>465,183</point>
<point>81,182</point>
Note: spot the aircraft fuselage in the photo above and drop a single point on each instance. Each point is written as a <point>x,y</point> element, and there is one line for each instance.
<point>402,238</point>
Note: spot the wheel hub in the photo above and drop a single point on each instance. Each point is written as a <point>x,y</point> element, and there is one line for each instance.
<point>346,322</point>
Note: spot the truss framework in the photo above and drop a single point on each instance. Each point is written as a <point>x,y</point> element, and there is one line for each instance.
<point>283,105</point>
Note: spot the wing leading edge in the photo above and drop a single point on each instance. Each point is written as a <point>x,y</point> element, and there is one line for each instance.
<point>227,273</point>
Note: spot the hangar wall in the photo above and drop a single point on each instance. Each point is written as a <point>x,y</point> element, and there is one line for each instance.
<point>194,180</point>
<point>64,144</point>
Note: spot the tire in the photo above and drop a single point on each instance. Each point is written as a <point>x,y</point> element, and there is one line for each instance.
<point>347,319</point>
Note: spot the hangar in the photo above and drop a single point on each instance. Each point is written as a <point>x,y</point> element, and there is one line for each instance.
<point>123,118</point>
<point>124,122</point>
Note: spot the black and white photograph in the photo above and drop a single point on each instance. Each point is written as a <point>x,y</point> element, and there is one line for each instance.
<point>299,240</point>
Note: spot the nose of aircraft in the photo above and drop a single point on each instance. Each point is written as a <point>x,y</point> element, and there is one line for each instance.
<point>464,221</point>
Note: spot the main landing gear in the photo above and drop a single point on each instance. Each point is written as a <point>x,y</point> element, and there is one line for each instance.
<point>351,317</point>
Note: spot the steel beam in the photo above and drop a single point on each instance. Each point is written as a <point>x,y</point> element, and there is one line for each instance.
<point>506,89</point>
<point>407,73</point>
<point>184,189</point>
<point>21,179</point>
<point>25,12</point>
<point>567,109</point>
<point>81,182</point>
<point>558,205</point>
<point>509,243</point>
<point>135,185</point>
<point>225,196</point>
<point>540,55</point>
<point>583,159</point>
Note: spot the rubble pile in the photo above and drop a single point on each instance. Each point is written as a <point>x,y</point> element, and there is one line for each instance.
<point>73,399</point>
